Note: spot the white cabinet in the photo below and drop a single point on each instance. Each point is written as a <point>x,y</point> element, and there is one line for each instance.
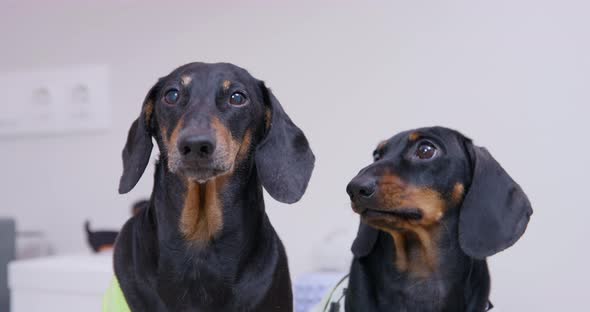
<point>62,283</point>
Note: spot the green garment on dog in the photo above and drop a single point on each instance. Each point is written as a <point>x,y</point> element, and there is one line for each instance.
<point>114,300</point>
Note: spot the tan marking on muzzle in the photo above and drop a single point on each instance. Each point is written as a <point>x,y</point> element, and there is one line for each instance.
<point>227,146</point>
<point>170,143</point>
<point>202,214</point>
<point>458,192</point>
<point>174,136</point>
<point>421,258</point>
<point>394,193</point>
<point>163,133</point>
<point>245,146</point>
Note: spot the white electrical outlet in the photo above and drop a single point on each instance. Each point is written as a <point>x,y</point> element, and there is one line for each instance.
<point>55,101</point>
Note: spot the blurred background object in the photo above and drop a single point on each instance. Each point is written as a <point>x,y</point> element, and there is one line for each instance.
<point>513,75</point>
<point>104,240</point>
<point>73,282</point>
<point>32,244</point>
<point>310,288</point>
<point>100,240</point>
<point>7,254</point>
<point>41,281</point>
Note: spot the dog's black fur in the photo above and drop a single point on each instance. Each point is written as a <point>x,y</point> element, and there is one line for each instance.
<point>428,224</point>
<point>223,255</point>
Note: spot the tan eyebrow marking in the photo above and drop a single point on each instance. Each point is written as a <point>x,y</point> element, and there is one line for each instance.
<point>226,84</point>
<point>186,80</point>
<point>414,136</point>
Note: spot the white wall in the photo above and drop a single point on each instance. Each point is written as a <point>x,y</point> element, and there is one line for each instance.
<point>514,75</point>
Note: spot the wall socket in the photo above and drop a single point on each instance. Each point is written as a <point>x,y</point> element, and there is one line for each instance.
<point>74,99</point>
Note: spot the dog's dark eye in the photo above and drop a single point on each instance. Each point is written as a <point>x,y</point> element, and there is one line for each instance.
<point>238,98</point>
<point>425,150</point>
<point>171,96</point>
<point>377,155</point>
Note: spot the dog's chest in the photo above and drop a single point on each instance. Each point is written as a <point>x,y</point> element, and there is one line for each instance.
<point>430,294</point>
<point>379,286</point>
<point>196,287</point>
<point>208,284</point>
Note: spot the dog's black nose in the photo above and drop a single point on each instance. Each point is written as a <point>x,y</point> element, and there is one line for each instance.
<point>201,146</point>
<point>361,187</point>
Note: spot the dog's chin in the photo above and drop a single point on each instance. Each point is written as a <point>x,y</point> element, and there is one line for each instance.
<point>202,175</point>
<point>377,214</point>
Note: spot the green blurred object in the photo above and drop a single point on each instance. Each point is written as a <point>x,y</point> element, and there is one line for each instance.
<point>113,300</point>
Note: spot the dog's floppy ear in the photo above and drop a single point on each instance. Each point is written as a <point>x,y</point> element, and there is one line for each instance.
<point>138,148</point>
<point>365,241</point>
<point>495,211</point>
<point>283,158</point>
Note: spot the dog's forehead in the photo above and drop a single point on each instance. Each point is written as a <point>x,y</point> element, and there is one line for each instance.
<point>397,141</point>
<point>442,135</point>
<point>210,71</point>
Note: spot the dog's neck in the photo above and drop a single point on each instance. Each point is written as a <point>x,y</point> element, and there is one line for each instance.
<point>416,251</point>
<point>195,220</point>
<point>213,260</point>
<point>422,268</point>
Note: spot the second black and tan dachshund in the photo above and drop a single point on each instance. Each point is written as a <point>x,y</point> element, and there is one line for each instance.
<point>433,206</point>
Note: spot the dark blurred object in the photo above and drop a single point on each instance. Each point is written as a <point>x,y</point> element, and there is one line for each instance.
<point>100,240</point>
<point>7,253</point>
<point>104,240</point>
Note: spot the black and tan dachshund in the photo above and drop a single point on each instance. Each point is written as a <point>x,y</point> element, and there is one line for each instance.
<point>205,242</point>
<point>433,206</point>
